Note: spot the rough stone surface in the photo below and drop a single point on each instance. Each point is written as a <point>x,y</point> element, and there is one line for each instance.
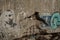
<point>14,21</point>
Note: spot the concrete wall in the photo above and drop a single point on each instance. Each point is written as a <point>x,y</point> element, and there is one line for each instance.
<point>22,9</point>
<point>30,5</point>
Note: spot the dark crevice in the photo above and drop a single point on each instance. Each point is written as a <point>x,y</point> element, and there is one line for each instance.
<point>8,10</point>
<point>40,19</point>
<point>36,15</point>
<point>9,15</point>
<point>0,14</point>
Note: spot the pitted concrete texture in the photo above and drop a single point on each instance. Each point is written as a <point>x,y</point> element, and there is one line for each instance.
<point>15,21</point>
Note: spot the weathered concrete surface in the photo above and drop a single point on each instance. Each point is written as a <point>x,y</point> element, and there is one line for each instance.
<point>21,10</point>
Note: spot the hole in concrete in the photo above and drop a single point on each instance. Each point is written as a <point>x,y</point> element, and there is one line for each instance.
<point>8,10</point>
<point>0,14</point>
<point>9,15</point>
